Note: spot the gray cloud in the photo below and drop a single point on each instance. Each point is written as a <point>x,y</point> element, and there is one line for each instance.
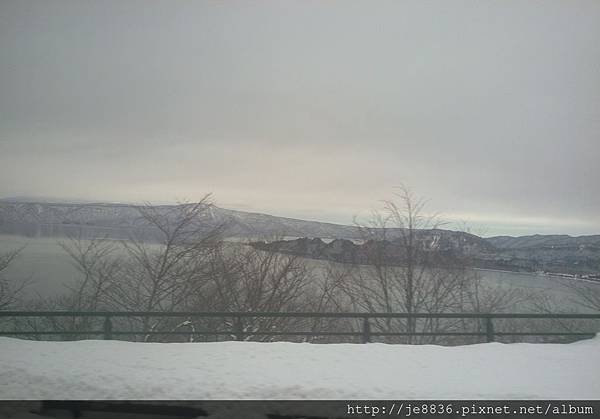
<point>308,109</point>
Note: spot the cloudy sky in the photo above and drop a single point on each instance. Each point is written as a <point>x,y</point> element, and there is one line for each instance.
<point>309,109</point>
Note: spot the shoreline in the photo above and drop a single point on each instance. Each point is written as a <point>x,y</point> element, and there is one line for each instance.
<point>542,274</point>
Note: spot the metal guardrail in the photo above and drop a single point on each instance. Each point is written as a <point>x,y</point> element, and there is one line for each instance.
<point>238,331</point>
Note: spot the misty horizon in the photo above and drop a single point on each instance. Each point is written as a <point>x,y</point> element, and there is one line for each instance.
<point>309,110</point>
<point>443,224</point>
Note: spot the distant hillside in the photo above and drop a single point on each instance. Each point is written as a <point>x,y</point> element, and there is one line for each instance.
<point>123,216</point>
<point>475,251</point>
<point>549,253</point>
<point>441,246</point>
<point>545,241</point>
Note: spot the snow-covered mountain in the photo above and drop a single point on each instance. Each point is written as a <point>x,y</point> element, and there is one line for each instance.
<point>108,215</point>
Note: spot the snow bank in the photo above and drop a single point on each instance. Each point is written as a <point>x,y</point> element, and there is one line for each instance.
<point>243,370</point>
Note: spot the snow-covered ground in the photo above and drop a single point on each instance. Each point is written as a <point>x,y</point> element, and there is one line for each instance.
<point>96,369</point>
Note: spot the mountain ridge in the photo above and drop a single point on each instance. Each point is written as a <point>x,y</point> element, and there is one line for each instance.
<point>549,253</point>
<point>502,241</point>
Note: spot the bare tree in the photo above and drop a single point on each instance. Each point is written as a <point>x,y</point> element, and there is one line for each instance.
<point>586,294</point>
<point>156,269</point>
<point>179,262</point>
<point>10,290</point>
<point>245,279</point>
<point>398,274</point>
<point>580,296</point>
<point>410,266</point>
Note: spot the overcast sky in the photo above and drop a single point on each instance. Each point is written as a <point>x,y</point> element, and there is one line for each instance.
<point>309,109</point>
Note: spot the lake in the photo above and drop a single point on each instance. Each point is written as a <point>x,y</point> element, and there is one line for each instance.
<point>51,271</point>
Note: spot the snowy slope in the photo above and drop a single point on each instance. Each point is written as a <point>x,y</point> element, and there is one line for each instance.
<point>107,215</point>
<point>244,370</point>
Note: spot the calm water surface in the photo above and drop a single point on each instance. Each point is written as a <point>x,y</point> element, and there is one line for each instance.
<point>51,270</point>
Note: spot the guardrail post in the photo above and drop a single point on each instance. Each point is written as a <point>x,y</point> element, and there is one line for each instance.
<point>238,328</point>
<point>489,329</point>
<point>107,328</point>
<point>366,336</point>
